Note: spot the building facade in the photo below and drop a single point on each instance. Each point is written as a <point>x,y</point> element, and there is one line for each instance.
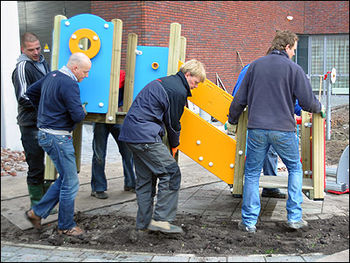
<point>224,35</point>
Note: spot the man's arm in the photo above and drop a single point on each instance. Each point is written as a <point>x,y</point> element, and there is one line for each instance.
<point>303,92</point>
<point>20,83</point>
<point>33,93</point>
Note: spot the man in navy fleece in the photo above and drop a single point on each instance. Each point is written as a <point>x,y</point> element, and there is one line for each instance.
<point>270,89</point>
<point>57,97</point>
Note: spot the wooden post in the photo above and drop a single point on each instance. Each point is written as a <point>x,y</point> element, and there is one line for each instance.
<point>115,72</point>
<point>50,170</point>
<point>305,143</point>
<point>318,162</point>
<point>241,140</point>
<point>130,71</point>
<point>182,49</point>
<point>174,48</point>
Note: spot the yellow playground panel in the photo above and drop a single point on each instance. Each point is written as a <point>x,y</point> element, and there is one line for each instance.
<point>201,141</point>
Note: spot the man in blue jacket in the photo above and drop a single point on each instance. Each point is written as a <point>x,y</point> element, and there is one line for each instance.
<point>157,110</point>
<point>270,89</point>
<point>57,97</point>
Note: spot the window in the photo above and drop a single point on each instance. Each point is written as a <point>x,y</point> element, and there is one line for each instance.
<point>318,54</point>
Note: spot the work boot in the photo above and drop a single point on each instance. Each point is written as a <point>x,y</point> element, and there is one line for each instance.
<point>243,227</point>
<point>164,226</point>
<point>35,193</point>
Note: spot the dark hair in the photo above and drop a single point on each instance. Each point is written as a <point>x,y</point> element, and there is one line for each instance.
<point>28,37</point>
<point>282,39</point>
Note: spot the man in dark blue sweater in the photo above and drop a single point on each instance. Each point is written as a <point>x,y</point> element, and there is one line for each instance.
<point>57,97</point>
<point>270,89</point>
<point>157,109</point>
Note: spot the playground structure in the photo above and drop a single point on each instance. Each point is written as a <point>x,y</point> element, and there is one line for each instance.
<point>201,141</point>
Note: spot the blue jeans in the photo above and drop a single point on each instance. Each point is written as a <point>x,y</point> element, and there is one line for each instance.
<point>34,155</point>
<point>99,147</point>
<point>65,188</point>
<point>270,167</point>
<point>287,147</point>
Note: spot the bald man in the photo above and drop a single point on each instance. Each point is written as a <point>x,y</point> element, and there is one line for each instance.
<point>57,97</point>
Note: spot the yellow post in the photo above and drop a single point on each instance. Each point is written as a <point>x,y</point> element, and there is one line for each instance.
<point>50,170</point>
<point>115,72</point>
<point>130,71</point>
<point>318,151</point>
<point>241,139</point>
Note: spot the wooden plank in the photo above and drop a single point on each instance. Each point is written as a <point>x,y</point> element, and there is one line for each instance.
<point>182,49</point>
<point>130,71</point>
<point>115,71</point>
<point>318,154</point>
<point>305,143</point>
<point>241,138</point>
<point>77,137</point>
<point>50,170</point>
<point>96,117</point>
<point>281,182</point>
<point>174,48</point>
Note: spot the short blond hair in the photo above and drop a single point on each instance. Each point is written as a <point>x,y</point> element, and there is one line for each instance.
<point>195,68</point>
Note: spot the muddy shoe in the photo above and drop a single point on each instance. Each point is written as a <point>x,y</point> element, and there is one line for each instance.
<point>249,229</point>
<point>75,231</point>
<point>297,225</point>
<point>274,194</point>
<point>33,219</point>
<point>129,189</point>
<point>100,195</point>
<point>164,226</point>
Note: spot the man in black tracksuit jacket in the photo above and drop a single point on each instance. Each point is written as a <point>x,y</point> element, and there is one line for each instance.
<point>31,66</point>
<point>157,110</point>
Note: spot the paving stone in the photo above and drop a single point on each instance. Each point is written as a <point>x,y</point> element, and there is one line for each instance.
<point>257,258</point>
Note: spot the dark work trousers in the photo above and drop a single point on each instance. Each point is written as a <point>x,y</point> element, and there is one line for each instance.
<point>153,161</point>
<point>34,155</point>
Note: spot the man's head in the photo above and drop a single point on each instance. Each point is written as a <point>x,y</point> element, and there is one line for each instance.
<point>30,46</point>
<point>285,41</point>
<point>194,72</point>
<point>80,65</point>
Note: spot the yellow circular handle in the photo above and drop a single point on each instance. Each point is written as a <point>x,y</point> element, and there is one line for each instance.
<point>95,43</point>
<point>155,65</point>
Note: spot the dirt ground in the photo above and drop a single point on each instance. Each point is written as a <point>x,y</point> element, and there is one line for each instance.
<point>202,236</point>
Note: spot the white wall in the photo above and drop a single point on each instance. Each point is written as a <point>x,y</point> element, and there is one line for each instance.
<point>10,50</point>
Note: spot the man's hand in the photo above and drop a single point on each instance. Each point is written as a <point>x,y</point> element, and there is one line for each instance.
<point>323,112</point>
<point>231,128</point>
<point>174,151</point>
<point>84,104</point>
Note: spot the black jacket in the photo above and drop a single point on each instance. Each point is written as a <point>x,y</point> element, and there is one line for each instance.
<point>25,74</point>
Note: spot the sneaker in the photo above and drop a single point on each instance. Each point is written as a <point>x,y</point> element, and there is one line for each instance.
<point>100,195</point>
<point>249,229</point>
<point>130,189</point>
<point>164,226</point>
<point>273,194</point>
<point>297,225</point>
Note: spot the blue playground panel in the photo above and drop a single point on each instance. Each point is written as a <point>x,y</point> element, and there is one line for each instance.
<point>95,88</point>
<point>144,73</point>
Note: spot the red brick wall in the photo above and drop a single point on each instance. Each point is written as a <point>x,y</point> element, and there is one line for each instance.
<point>216,30</point>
